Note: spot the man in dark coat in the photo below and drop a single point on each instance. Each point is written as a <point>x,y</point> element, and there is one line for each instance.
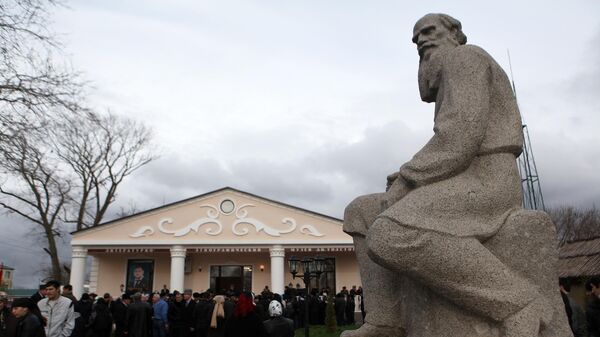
<point>138,321</point>
<point>350,306</point>
<point>202,315</point>
<point>27,325</point>
<point>83,309</point>
<point>188,312</point>
<point>35,298</point>
<point>119,313</point>
<point>299,309</point>
<point>575,314</point>
<point>593,310</point>
<point>39,295</point>
<point>313,307</point>
<point>67,292</point>
<point>176,315</point>
<point>340,309</point>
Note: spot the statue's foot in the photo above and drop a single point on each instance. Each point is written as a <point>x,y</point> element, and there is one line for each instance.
<point>368,330</point>
<point>525,323</point>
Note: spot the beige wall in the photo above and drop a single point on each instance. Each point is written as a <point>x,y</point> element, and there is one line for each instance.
<point>112,269</point>
<point>347,273</point>
<point>255,221</point>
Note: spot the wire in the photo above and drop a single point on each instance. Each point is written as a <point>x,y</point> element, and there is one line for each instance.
<point>18,247</point>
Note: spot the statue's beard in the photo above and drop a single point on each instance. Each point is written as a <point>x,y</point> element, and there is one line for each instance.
<point>429,76</point>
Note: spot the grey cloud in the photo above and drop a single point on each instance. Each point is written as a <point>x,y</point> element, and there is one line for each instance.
<point>585,86</point>
<point>568,169</point>
<point>323,180</point>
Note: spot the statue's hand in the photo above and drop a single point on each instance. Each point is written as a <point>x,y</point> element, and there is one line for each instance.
<point>398,189</point>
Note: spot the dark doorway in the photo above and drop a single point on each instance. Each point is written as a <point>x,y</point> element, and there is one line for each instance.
<point>230,278</point>
<point>229,283</point>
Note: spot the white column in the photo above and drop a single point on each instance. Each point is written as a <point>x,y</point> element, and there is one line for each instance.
<point>277,269</point>
<point>177,268</point>
<point>94,275</point>
<point>78,270</point>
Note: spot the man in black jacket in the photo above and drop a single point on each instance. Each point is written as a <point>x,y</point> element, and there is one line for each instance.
<point>202,315</point>
<point>119,313</point>
<point>176,315</point>
<point>138,321</point>
<point>593,310</point>
<point>340,309</point>
<point>35,298</point>
<point>188,313</point>
<point>39,295</point>
<point>28,325</point>
<point>575,314</point>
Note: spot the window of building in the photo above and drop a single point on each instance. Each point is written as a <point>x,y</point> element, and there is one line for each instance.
<point>327,279</point>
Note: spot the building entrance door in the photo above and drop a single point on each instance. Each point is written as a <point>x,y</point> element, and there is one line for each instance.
<point>229,283</point>
<point>230,278</point>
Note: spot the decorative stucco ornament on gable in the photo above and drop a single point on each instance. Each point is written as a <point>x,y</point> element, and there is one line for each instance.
<point>227,207</point>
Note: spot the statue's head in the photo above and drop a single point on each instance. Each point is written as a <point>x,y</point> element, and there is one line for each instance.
<point>434,35</point>
<point>437,32</point>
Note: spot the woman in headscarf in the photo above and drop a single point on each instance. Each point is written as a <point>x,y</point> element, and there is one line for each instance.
<point>217,321</point>
<point>277,325</point>
<point>245,322</point>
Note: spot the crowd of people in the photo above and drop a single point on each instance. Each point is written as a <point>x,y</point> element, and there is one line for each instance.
<point>52,313</point>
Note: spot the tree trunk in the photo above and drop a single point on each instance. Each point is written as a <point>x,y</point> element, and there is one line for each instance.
<point>53,252</point>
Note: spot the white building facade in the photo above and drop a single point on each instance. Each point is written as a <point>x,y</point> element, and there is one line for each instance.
<point>222,240</point>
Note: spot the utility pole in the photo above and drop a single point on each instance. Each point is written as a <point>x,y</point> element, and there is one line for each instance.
<point>530,180</point>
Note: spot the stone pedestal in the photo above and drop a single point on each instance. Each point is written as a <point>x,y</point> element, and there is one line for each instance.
<point>527,244</point>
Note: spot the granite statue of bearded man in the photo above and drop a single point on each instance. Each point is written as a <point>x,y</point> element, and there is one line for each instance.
<point>431,226</point>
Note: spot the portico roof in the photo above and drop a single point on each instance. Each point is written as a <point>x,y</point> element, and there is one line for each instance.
<point>222,217</point>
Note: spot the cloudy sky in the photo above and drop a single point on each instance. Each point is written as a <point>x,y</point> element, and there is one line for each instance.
<point>314,102</point>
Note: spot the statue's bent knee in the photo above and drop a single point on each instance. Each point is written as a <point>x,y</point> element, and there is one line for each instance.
<point>360,213</point>
<point>390,243</point>
<point>353,210</point>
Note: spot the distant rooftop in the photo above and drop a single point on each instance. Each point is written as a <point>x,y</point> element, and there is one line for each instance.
<point>20,292</point>
<point>579,258</point>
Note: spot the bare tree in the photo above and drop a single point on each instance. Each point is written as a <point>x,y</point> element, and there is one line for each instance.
<point>101,151</point>
<point>574,224</point>
<point>33,188</point>
<point>33,84</point>
<point>60,163</point>
<point>69,172</point>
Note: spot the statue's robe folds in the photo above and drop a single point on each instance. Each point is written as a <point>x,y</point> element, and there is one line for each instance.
<point>466,178</point>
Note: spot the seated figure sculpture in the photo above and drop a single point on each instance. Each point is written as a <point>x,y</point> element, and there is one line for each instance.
<point>443,234</point>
